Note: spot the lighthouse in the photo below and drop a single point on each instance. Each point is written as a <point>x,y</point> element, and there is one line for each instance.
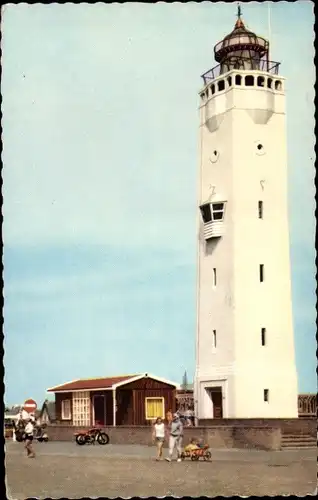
<point>245,359</point>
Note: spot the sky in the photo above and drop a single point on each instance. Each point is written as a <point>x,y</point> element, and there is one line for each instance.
<point>100,133</point>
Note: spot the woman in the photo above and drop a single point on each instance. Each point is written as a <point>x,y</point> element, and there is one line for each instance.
<point>159,436</point>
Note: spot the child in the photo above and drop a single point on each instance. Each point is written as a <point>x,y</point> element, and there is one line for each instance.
<point>192,446</point>
<point>201,444</point>
<point>159,436</point>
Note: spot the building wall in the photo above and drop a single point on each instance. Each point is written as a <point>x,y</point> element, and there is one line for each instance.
<point>233,123</point>
<point>264,434</point>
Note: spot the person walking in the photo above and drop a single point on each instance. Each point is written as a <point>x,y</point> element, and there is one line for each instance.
<point>175,438</point>
<point>159,436</point>
<point>29,428</point>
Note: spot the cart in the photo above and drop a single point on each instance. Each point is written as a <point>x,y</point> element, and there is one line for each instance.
<point>195,455</point>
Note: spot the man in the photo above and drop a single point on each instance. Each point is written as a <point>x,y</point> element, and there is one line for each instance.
<point>29,437</point>
<point>175,437</point>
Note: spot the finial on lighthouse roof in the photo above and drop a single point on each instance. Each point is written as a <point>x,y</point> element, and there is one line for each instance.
<point>239,23</point>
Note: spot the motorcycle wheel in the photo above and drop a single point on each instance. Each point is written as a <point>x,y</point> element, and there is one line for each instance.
<point>103,438</point>
<point>80,439</point>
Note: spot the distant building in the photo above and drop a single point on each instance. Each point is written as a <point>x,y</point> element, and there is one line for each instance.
<point>47,413</point>
<point>121,400</point>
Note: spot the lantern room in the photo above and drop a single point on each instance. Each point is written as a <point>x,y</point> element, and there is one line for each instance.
<point>241,49</point>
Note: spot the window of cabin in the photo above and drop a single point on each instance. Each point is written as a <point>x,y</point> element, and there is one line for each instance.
<point>66,409</point>
<point>217,211</point>
<point>206,212</point>
<point>249,81</point>
<point>238,80</point>
<point>155,407</point>
<point>81,408</point>
<point>221,85</point>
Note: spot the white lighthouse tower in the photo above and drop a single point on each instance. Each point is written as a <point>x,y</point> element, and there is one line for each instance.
<point>245,361</point>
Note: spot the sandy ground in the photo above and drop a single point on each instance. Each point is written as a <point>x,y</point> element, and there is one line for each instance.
<point>67,470</point>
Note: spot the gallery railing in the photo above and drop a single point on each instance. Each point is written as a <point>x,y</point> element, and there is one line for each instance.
<point>242,63</point>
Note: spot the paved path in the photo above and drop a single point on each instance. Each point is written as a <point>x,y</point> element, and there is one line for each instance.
<point>71,449</point>
<point>64,469</point>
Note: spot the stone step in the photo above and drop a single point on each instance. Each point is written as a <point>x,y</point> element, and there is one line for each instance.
<point>304,437</point>
<point>291,448</point>
<point>299,444</point>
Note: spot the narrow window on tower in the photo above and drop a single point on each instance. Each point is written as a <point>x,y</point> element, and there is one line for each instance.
<point>260,209</point>
<point>263,336</point>
<point>261,273</point>
<point>266,395</point>
<point>214,276</point>
<point>214,339</point>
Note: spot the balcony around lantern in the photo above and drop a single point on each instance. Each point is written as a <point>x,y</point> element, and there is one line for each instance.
<point>271,67</point>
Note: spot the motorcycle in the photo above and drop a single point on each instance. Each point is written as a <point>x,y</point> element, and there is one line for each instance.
<point>91,436</point>
<point>39,434</point>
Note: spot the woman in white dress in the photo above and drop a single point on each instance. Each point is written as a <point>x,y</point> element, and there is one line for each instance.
<point>159,436</point>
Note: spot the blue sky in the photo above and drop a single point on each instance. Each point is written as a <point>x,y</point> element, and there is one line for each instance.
<point>100,131</point>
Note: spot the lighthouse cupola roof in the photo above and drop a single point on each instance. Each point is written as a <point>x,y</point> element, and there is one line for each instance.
<point>240,43</point>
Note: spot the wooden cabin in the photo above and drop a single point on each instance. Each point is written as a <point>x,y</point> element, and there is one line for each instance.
<point>112,401</point>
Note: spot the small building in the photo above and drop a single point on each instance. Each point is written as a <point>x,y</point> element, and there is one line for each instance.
<point>47,413</point>
<point>122,400</point>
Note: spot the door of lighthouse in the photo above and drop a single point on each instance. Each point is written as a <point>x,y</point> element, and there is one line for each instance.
<point>217,402</point>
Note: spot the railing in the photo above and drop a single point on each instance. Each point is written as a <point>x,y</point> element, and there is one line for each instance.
<point>307,405</point>
<point>271,67</point>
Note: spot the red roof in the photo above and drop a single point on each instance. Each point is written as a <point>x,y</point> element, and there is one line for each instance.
<point>91,384</point>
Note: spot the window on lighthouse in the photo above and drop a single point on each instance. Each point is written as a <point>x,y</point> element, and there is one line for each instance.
<point>214,339</point>
<point>261,273</point>
<point>218,211</point>
<point>206,213</point>
<point>214,277</point>
<point>260,209</point>
<point>212,212</point>
<point>263,336</point>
